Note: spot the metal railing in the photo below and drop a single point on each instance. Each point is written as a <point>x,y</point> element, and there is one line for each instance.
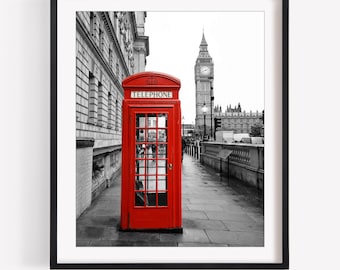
<point>193,150</point>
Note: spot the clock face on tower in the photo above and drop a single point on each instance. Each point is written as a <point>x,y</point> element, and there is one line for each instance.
<point>204,70</point>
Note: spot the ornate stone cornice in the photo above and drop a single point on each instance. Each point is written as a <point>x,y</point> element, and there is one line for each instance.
<point>106,18</point>
<point>134,24</point>
<point>145,41</point>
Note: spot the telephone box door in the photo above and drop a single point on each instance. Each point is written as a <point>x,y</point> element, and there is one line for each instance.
<point>152,159</point>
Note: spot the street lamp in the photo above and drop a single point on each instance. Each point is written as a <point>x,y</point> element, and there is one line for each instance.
<point>211,105</point>
<point>204,110</point>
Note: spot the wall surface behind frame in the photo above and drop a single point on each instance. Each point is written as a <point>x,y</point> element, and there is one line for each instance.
<point>314,161</point>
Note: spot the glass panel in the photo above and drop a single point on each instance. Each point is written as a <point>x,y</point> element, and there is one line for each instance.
<point>139,168</point>
<point>163,199</point>
<point>139,195</point>
<point>162,120</point>
<point>151,198</point>
<point>140,150</point>
<point>140,135</point>
<point>161,166</point>
<point>139,199</point>
<point>152,120</point>
<point>151,182</point>
<point>162,135</point>
<point>162,182</point>
<point>151,135</point>
<point>139,182</point>
<point>140,120</point>
<point>150,151</point>
<point>162,151</point>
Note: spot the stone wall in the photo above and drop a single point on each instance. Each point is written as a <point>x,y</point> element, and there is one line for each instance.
<point>83,178</point>
<point>245,163</point>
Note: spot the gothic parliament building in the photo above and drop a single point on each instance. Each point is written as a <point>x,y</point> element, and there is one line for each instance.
<point>233,119</point>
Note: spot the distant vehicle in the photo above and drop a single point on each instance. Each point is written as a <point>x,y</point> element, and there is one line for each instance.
<point>257,140</point>
<point>239,136</point>
<point>225,136</point>
<point>245,140</point>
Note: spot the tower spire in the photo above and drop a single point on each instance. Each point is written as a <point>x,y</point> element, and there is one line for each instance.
<point>203,42</point>
<point>204,48</point>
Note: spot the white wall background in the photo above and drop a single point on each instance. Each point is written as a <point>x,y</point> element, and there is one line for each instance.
<point>314,134</point>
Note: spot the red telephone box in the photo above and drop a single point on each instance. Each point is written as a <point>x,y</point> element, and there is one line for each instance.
<point>151,153</point>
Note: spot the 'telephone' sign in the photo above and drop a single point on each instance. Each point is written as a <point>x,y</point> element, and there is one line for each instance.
<point>151,94</point>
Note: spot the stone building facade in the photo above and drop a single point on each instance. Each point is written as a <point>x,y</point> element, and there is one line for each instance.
<point>234,119</point>
<point>109,47</point>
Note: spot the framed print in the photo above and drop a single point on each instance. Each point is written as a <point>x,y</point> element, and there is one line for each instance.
<point>169,134</point>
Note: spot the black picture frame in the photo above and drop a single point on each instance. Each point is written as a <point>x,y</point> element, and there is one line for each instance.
<point>54,264</point>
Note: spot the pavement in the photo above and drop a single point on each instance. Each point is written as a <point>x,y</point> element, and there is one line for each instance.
<point>216,212</point>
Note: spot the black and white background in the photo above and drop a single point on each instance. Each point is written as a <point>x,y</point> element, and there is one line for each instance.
<point>313,142</point>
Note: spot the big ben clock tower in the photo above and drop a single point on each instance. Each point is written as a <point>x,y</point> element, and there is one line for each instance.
<point>204,77</point>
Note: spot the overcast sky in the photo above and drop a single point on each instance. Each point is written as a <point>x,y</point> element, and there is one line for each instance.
<point>235,43</point>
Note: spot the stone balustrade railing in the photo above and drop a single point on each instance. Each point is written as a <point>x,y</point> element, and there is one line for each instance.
<point>245,163</point>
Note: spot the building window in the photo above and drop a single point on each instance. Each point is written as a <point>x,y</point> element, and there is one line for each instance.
<point>93,100</point>
<point>97,170</point>
<point>110,111</point>
<point>101,103</point>
<point>116,120</point>
<point>112,159</point>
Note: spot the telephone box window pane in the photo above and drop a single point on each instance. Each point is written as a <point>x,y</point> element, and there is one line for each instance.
<point>140,120</point>
<point>152,120</point>
<point>163,199</point>
<point>140,198</point>
<point>151,182</point>
<point>161,166</point>
<point>162,151</point>
<point>151,198</point>
<point>162,182</point>
<point>139,182</point>
<point>151,135</point>
<point>162,120</point>
<point>162,135</point>
<point>150,152</point>
<point>140,135</point>
<point>140,150</point>
<point>140,169</point>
